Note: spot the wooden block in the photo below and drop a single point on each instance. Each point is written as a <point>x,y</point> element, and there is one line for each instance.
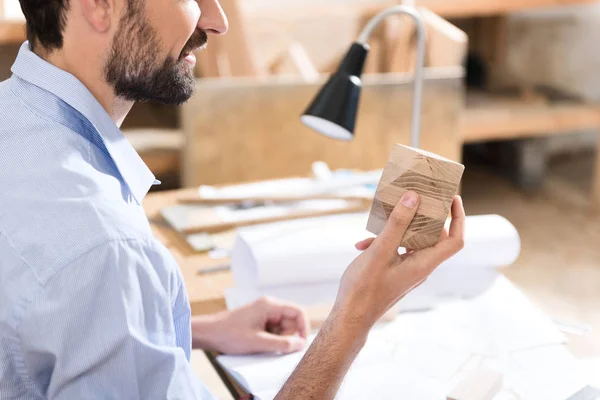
<point>434,178</point>
<point>478,385</point>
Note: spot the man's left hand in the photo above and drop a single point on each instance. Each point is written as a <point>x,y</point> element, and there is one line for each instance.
<point>264,326</point>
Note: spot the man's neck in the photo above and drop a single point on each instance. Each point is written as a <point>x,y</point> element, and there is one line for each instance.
<point>93,79</point>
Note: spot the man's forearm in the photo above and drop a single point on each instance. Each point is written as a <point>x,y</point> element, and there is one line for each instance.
<point>203,331</point>
<point>326,362</point>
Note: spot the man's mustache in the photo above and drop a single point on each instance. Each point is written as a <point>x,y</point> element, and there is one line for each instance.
<point>198,39</point>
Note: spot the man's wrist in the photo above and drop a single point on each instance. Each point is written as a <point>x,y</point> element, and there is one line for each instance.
<point>346,324</point>
<point>204,330</point>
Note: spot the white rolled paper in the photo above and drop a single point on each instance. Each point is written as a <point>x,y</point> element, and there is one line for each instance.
<point>319,250</point>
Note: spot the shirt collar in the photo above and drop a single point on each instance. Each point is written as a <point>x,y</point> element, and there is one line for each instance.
<point>31,68</point>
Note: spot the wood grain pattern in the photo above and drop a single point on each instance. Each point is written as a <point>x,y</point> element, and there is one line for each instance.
<point>434,178</point>
<point>240,130</point>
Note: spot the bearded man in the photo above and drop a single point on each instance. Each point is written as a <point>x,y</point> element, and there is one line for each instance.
<point>92,306</point>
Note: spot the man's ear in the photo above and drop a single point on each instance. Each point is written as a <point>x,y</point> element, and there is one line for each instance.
<point>100,14</point>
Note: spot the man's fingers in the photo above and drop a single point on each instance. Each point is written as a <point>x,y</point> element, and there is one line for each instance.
<point>455,241</point>
<point>279,311</point>
<point>266,342</point>
<point>364,244</point>
<point>444,234</point>
<point>399,220</point>
<point>457,226</point>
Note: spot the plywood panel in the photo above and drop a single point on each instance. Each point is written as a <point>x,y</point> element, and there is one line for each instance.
<point>242,130</point>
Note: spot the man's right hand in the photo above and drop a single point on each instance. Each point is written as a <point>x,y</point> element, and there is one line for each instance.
<point>373,283</point>
<point>380,277</point>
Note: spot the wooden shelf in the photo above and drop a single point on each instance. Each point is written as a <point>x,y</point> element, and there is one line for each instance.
<point>496,117</point>
<point>474,8</point>
<point>11,32</point>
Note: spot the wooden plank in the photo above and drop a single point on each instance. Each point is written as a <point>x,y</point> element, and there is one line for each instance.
<point>446,46</point>
<point>373,62</point>
<point>12,32</point>
<point>326,31</point>
<point>231,54</point>
<point>244,130</point>
<point>400,37</point>
<point>499,118</point>
<point>473,8</point>
<point>295,61</point>
<point>240,52</point>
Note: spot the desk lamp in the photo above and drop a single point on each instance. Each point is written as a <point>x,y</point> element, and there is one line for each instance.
<point>436,179</point>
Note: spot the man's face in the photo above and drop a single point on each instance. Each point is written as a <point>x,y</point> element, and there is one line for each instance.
<point>151,55</point>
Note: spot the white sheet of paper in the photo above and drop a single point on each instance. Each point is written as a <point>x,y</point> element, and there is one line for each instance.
<point>420,355</point>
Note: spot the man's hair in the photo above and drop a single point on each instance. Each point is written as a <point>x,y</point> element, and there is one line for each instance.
<point>45,22</point>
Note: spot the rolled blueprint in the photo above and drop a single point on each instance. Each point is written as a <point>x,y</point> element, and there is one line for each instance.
<point>317,251</point>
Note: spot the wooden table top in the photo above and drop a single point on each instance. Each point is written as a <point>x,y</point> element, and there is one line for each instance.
<point>559,266</point>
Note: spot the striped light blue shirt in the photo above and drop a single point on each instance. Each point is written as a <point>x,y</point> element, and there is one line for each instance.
<point>91,305</point>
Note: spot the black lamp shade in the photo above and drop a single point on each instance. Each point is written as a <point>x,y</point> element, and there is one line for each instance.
<point>333,111</point>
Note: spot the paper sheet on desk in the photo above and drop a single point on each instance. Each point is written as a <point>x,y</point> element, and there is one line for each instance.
<point>417,355</point>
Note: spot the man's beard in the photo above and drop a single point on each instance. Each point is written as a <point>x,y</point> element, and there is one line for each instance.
<point>133,70</point>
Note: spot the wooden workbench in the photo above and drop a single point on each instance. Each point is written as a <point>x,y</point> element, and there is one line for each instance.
<point>558,266</point>
<point>557,269</point>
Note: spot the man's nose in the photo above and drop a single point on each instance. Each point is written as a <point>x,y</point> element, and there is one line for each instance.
<point>213,19</point>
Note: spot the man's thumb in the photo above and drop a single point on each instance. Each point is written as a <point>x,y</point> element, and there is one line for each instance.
<point>268,342</point>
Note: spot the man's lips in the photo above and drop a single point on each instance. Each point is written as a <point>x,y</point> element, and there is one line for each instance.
<point>190,58</point>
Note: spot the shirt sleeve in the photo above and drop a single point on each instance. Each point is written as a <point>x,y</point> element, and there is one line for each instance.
<point>105,327</point>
